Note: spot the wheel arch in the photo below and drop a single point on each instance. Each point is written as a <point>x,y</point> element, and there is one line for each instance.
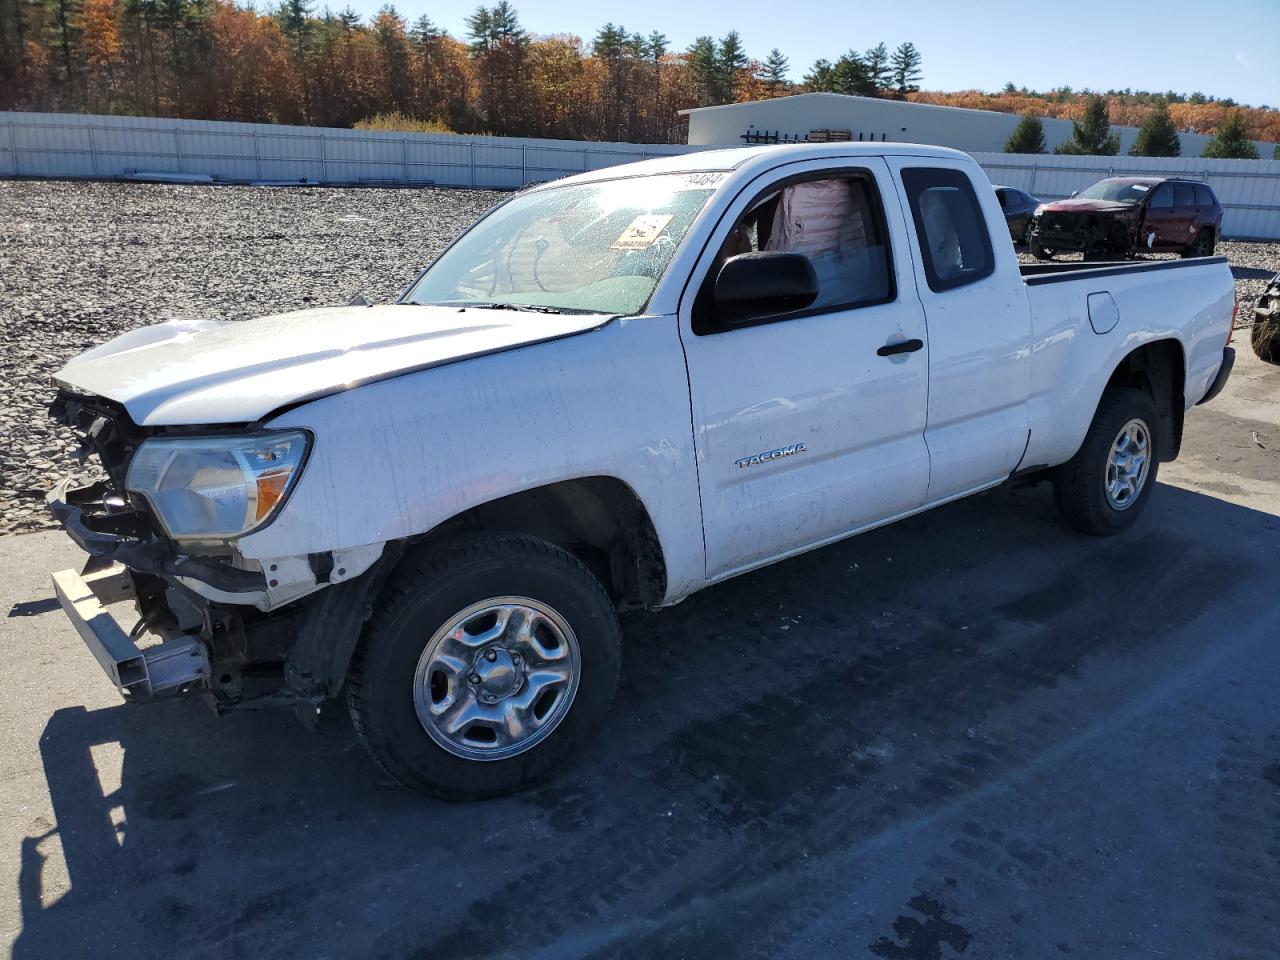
<point>1160,368</point>
<point>599,519</point>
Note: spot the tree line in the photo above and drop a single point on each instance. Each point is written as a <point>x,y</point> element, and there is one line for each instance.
<point>1157,136</point>
<point>218,60</point>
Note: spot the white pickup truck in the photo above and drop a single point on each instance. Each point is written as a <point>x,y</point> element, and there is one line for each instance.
<point>610,392</point>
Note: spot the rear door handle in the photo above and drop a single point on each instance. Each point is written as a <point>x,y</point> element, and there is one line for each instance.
<point>902,346</point>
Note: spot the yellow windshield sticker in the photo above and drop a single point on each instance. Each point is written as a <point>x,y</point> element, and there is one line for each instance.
<point>642,231</point>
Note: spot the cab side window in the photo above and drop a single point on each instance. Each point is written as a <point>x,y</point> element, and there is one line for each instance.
<point>837,222</point>
<point>954,242</point>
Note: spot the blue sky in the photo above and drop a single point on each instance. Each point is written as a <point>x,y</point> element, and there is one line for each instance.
<point>1218,48</point>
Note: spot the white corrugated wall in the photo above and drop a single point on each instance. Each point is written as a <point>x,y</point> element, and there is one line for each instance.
<point>77,145</point>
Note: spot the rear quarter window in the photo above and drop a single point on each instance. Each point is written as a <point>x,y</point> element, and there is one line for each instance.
<point>1184,195</point>
<point>1204,196</point>
<point>954,243</point>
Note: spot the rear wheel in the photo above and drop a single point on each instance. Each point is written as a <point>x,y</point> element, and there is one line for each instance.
<point>1201,246</point>
<point>486,665</point>
<point>1106,485</point>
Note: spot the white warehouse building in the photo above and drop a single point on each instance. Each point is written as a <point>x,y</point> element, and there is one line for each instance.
<point>835,116</point>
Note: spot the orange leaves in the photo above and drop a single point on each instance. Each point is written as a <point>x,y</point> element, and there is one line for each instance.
<point>101,38</point>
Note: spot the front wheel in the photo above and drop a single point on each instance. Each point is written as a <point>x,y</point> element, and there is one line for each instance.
<point>1039,251</point>
<point>486,665</point>
<point>1106,485</point>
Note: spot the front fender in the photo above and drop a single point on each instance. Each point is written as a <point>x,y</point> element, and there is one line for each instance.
<point>395,459</point>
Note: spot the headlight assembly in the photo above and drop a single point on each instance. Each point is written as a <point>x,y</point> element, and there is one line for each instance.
<point>216,488</point>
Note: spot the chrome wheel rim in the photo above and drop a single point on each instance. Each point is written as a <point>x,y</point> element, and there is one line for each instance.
<point>1128,464</point>
<point>497,678</point>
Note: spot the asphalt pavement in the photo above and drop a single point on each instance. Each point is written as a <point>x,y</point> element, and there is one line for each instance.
<point>970,734</point>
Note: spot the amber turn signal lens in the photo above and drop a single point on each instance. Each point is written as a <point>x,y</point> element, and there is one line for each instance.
<point>270,490</point>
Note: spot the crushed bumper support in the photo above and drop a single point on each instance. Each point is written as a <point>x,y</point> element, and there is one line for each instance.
<point>176,666</point>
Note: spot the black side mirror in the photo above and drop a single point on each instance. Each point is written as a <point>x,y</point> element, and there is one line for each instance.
<point>753,286</point>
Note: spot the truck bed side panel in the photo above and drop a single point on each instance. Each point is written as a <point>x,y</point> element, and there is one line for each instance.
<point>1188,302</point>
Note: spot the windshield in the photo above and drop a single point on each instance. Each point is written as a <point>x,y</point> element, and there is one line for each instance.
<point>594,247</point>
<point>1117,191</point>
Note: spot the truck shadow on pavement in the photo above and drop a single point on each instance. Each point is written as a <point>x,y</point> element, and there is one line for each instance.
<point>773,737</point>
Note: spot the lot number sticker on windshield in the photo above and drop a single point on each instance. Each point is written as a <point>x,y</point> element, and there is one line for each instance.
<point>642,232</point>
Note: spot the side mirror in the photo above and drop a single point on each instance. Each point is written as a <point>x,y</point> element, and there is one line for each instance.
<point>1074,192</point>
<point>359,300</point>
<point>752,286</point>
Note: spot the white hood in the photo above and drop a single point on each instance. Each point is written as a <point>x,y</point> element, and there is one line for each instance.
<point>209,371</point>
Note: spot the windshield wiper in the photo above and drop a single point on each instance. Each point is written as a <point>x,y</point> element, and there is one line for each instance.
<point>522,307</point>
<point>503,305</point>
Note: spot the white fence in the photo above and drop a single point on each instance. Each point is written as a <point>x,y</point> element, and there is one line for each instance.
<point>76,145</point>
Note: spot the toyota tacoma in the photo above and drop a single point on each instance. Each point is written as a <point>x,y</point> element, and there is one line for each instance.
<point>610,392</point>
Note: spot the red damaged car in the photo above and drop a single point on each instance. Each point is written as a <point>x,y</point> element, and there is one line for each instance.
<point>1120,216</point>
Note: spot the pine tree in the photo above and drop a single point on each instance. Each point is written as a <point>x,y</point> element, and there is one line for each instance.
<point>701,63</point>
<point>1092,136</point>
<point>1027,137</point>
<point>877,62</point>
<point>906,71</point>
<point>1231,141</point>
<point>731,61</point>
<point>850,76</point>
<point>66,27</point>
<point>1157,137</point>
<point>773,72</point>
<point>821,77</point>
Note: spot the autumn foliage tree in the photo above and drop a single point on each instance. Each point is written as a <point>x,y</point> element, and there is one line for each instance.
<point>297,61</point>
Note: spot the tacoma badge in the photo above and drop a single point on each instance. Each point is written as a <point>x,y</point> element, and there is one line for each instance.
<point>777,454</point>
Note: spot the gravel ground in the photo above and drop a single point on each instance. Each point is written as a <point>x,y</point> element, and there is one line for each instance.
<point>82,262</point>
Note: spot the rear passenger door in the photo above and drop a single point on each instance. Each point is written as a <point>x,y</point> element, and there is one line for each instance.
<point>1183,223</point>
<point>978,320</point>
<point>809,425</point>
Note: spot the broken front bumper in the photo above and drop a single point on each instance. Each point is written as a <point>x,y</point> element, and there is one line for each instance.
<point>177,665</point>
<point>108,530</point>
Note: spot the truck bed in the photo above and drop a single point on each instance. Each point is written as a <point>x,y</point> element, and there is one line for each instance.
<point>1039,273</point>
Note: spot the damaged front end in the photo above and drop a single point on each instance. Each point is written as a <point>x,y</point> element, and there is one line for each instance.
<point>242,632</point>
<point>1083,231</point>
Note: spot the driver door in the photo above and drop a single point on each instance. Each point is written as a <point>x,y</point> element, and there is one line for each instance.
<point>809,425</point>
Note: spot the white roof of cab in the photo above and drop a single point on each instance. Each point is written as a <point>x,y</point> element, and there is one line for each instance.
<point>748,158</point>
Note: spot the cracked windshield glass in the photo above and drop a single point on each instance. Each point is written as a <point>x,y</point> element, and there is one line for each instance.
<point>590,248</point>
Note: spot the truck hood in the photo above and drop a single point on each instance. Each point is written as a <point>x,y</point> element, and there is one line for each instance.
<point>211,371</point>
<point>1080,205</point>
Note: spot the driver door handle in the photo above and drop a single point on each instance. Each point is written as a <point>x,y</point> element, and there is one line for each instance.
<point>902,346</point>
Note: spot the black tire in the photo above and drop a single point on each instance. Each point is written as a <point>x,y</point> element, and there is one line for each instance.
<point>1202,246</point>
<point>1038,251</point>
<point>1080,484</point>
<point>1265,339</point>
<point>426,592</point>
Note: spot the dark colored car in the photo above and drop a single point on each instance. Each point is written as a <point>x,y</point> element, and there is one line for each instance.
<point>1120,216</point>
<point>1018,210</point>
<point>1266,323</point>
